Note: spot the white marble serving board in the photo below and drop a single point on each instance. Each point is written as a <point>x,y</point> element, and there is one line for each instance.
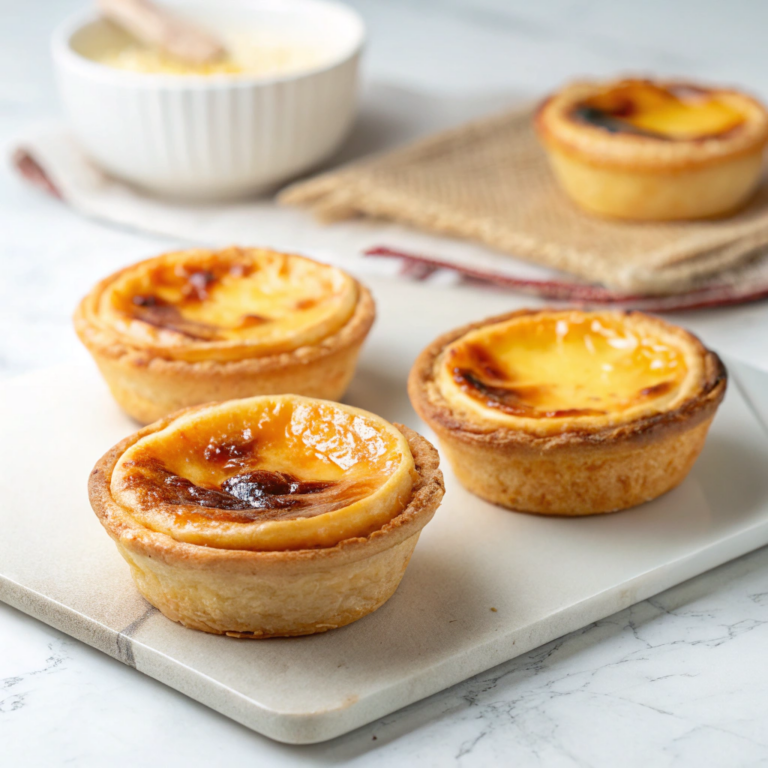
<point>484,585</point>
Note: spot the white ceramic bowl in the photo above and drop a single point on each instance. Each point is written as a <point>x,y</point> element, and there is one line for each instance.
<point>214,136</point>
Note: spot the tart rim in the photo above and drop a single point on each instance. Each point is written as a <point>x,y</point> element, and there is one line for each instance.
<point>381,502</point>
<point>430,404</point>
<point>632,152</point>
<point>99,339</point>
<point>426,494</point>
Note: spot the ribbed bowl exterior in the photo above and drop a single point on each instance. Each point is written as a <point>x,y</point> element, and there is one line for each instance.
<point>199,138</point>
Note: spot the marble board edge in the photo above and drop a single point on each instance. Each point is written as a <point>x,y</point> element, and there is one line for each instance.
<point>322,725</point>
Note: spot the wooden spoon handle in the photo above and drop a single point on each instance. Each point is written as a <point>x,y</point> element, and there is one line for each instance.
<point>162,29</point>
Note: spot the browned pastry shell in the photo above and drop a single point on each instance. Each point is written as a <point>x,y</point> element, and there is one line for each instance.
<point>573,471</point>
<point>260,594</point>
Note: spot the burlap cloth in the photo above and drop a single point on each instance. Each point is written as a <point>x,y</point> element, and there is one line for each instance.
<point>489,181</point>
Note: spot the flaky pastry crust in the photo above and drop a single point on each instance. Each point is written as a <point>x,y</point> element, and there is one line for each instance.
<point>571,470</point>
<point>149,385</point>
<point>260,594</point>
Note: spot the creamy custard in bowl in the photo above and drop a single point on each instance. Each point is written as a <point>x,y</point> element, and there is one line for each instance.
<point>280,101</point>
<point>251,54</point>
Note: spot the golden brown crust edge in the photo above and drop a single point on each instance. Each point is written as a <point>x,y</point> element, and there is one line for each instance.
<point>576,482</point>
<point>572,473</point>
<point>277,593</point>
<point>442,418</point>
<point>148,386</point>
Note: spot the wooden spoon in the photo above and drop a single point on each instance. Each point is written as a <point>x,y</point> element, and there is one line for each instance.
<point>159,28</point>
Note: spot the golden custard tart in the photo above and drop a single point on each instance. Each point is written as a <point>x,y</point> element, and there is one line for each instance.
<point>268,516</point>
<point>653,151</point>
<point>569,412</point>
<point>195,326</point>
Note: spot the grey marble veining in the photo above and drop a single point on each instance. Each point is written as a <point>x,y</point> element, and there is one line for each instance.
<point>678,680</point>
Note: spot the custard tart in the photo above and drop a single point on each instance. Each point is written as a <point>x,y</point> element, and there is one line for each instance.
<point>654,150</point>
<point>195,326</point>
<point>569,412</point>
<point>269,516</point>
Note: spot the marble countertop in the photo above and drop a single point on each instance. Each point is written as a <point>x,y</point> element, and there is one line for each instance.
<point>679,679</point>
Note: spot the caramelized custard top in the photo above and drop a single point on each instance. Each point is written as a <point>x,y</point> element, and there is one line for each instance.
<point>564,365</point>
<point>261,494</point>
<point>673,113</point>
<point>276,459</point>
<point>268,301</point>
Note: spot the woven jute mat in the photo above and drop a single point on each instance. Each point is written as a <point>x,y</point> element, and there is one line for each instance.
<point>489,181</point>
